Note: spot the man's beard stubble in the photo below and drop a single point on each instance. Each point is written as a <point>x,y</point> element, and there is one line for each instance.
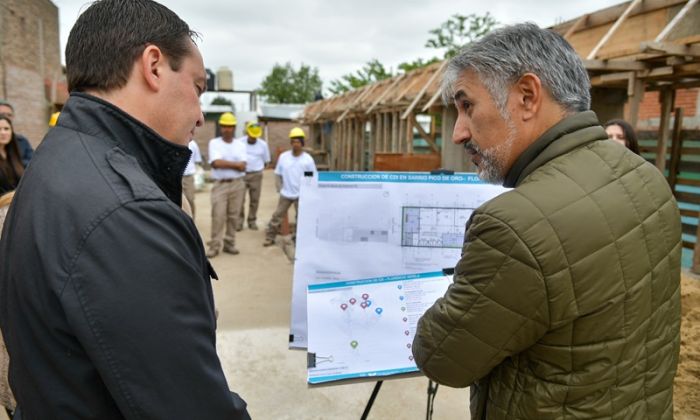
<point>491,169</point>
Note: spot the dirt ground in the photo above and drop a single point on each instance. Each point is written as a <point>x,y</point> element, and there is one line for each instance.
<point>686,390</point>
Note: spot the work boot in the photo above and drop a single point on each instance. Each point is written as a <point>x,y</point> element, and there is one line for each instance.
<point>252,226</point>
<point>268,242</point>
<point>212,253</point>
<point>232,251</point>
<point>239,228</point>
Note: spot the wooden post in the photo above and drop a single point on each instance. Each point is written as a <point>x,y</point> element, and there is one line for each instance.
<point>409,132</point>
<point>394,131</point>
<point>667,99</point>
<point>635,91</point>
<point>387,131</point>
<point>676,148</point>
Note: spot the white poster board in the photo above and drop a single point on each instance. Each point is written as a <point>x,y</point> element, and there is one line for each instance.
<point>365,328</point>
<point>360,225</point>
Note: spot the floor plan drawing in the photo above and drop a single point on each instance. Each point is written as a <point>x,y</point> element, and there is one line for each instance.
<point>434,227</point>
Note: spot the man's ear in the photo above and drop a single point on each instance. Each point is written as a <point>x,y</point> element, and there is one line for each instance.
<point>529,94</point>
<point>152,61</point>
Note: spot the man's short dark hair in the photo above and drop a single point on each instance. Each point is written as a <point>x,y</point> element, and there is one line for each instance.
<point>110,35</point>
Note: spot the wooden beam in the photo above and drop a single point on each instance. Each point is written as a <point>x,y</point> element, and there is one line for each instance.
<point>670,49</point>
<point>672,24</point>
<point>365,90</point>
<point>409,134</point>
<point>613,29</point>
<point>385,93</point>
<point>676,148</point>
<point>578,24</point>
<point>617,65</point>
<point>424,89</point>
<point>667,99</point>
<point>427,137</point>
<point>634,101</point>
<point>432,100</point>
<point>409,85</point>
<point>610,14</point>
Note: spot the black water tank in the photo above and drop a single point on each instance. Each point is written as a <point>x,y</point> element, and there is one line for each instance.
<point>211,81</point>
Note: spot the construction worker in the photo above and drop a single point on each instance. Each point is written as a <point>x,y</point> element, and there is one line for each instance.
<point>228,161</point>
<point>258,157</point>
<point>290,169</point>
<point>188,187</point>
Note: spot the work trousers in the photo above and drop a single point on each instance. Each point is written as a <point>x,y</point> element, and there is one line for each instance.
<point>253,184</point>
<point>283,206</point>
<point>188,191</point>
<point>226,199</point>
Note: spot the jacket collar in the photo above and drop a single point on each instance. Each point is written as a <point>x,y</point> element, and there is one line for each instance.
<point>163,161</point>
<point>568,134</point>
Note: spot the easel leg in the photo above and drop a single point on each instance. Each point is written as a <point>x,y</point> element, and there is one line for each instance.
<point>432,391</point>
<point>371,400</point>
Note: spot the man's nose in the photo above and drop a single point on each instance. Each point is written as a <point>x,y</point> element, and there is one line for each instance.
<point>461,133</point>
<point>200,120</point>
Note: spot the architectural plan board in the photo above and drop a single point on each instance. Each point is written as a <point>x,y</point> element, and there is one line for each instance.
<point>365,328</point>
<point>355,225</point>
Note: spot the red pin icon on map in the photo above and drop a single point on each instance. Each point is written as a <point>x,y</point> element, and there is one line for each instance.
<point>365,296</point>
<point>352,301</point>
<point>364,305</point>
<point>344,306</point>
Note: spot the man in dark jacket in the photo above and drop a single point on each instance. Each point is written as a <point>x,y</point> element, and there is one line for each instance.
<point>566,301</point>
<point>106,302</point>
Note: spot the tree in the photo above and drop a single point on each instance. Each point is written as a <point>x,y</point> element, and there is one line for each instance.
<point>460,30</point>
<point>285,85</point>
<point>416,64</point>
<point>372,71</point>
<point>220,100</point>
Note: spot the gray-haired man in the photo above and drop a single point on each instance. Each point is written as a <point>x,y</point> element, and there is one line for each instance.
<point>565,302</point>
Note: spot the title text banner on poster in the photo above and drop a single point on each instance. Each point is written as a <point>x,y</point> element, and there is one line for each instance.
<point>400,177</point>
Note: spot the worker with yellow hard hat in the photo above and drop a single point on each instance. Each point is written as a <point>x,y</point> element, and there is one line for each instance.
<point>228,158</point>
<point>258,157</point>
<point>290,169</point>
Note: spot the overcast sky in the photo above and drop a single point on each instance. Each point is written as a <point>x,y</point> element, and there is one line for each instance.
<point>337,37</point>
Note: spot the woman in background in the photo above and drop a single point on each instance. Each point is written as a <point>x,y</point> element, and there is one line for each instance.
<point>622,132</point>
<point>11,168</point>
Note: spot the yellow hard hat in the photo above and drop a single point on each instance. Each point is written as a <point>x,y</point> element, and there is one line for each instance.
<point>253,129</point>
<point>297,132</point>
<point>227,118</point>
<point>54,119</point>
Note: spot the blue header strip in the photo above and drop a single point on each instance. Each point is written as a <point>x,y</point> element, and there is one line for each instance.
<point>388,372</point>
<point>350,283</point>
<point>399,177</point>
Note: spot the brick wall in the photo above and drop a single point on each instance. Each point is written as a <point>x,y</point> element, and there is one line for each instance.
<point>650,109</point>
<point>277,135</point>
<point>29,56</point>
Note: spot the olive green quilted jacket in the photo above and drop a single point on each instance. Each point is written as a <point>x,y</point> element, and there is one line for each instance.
<point>566,301</point>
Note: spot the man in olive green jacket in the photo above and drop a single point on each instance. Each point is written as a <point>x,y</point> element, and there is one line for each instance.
<point>565,303</point>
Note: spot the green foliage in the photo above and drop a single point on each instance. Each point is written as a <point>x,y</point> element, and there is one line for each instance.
<point>285,85</point>
<point>220,100</point>
<point>372,71</point>
<point>416,64</point>
<point>460,30</point>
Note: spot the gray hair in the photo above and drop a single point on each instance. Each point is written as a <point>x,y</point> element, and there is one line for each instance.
<point>501,57</point>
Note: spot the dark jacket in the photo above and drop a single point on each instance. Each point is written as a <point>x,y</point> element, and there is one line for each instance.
<point>25,149</point>
<point>566,301</point>
<point>106,302</point>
